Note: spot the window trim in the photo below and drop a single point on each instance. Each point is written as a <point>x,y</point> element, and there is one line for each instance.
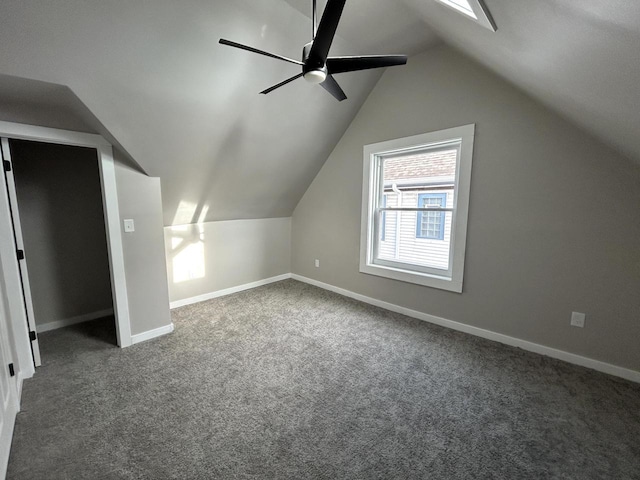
<point>480,11</point>
<point>452,280</point>
<point>383,221</point>
<point>420,215</point>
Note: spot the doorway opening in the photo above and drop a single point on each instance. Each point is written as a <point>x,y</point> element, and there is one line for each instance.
<point>19,302</point>
<point>58,211</point>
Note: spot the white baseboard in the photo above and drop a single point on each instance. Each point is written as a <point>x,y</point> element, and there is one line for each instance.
<point>608,368</point>
<point>228,291</point>
<point>156,332</point>
<point>45,327</point>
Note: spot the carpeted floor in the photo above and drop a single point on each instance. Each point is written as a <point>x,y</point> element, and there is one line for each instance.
<point>288,381</point>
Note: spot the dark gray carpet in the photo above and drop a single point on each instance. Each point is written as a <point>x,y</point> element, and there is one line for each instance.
<point>289,381</point>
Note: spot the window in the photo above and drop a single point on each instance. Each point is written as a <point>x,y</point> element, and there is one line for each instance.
<point>384,220</point>
<point>474,9</point>
<point>430,223</point>
<point>415,204</point>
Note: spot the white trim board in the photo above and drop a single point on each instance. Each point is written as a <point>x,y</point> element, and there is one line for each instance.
<point>5,441</point>
<point>67,322</point>
<point>156,332</point>
<point>51,135</point>
<point>104,156</point>
<point>228,291</point>
<point>19,383</point>
<point>608,368</point>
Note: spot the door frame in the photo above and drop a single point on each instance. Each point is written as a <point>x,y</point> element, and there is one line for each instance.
<point>10,269</point>
<point>9,409</point>
<point>19,245</point>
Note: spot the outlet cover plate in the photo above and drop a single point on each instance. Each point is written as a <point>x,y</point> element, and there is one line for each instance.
<point>578,319</point>
<point>129,226</point>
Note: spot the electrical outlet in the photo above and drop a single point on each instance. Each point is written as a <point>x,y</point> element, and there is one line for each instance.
<point>317,263</point>
<point>577,319</point>
<point>129,226</point>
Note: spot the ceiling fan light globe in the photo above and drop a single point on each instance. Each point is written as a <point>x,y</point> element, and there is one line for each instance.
<point>315,76</point>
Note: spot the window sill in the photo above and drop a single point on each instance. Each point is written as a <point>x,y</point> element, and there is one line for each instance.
<point>425,279</point>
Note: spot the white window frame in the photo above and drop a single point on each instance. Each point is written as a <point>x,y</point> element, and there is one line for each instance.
<point>452,279</point>
<point>481,13</point>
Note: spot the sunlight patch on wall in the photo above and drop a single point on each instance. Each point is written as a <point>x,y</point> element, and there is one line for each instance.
<point>187,253</point>
<point>203,214</point>
<point>184,213</point>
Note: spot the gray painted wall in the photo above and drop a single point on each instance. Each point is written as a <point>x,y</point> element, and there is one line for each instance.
<point>213,256</point>
<point>139,196</point>
<point>51,105</point>
<point>62,219</point>
<point>140,199</point>
<point>554,221</point>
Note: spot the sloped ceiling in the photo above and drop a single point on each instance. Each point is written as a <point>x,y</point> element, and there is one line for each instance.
<point>580,58</point>
<point>40,103</point>
<point>187,110</point>
<point>50,105</point>
<point>378,27</point>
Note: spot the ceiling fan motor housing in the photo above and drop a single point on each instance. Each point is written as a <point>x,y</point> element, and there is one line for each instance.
<point>314,71</point>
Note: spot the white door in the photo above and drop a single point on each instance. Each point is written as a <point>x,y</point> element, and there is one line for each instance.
<point>8,393</point>
<point>27,302</point>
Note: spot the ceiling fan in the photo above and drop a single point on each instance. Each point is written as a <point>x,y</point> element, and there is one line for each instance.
<point>317,66</point>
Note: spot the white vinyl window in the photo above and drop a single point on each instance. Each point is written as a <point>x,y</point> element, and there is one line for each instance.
<point>414,207</point>
<point>474,9</point>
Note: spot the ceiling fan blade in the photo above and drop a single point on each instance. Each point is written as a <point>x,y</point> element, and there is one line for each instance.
<point>326,31</point>
<point>260,52</point>
<point>288,80</point>
<point>352,64</point>
<point>331,86</point>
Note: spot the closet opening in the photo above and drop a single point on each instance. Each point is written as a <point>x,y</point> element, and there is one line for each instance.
<point>58,216</point>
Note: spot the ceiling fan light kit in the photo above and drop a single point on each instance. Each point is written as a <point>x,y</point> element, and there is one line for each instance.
<point>315,76</point>
<point>317,66</point>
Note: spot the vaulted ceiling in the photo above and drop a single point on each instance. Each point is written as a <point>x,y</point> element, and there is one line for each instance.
<point>580,58</point>
<point>187,109</point>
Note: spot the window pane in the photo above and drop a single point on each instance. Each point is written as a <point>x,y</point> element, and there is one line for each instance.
<point>410,175</point>
<point>387,245</point>
<point>420,169</point>
<point>431,224</point>
<point>418,180</point>
<point>383,221</point>
<point>462,6</point>
<point>402,245</point>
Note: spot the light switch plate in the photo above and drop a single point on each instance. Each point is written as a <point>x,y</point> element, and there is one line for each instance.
<point>129,226</point>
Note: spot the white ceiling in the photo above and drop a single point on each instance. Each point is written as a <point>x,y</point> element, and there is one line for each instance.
<point>50,105</point>
<point>580,58</point>
<point>377,27</point>
<point>188,110</point>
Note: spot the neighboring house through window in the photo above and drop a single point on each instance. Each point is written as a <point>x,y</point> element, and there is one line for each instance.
<point>415,204</point>
<point>431,224</point>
